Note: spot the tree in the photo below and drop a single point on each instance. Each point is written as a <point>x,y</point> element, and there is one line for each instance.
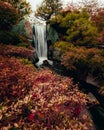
<point>76,27</point>
<point>8,16</point>
<point>98,19</point>
<point>23,8</point>
<point>91,6</point>
<point>48,8</point>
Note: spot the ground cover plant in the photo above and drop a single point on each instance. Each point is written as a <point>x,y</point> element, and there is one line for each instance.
<point>15,79</point>
<point>16,69</point>
<point>81,61</point>
<point>52,102</point>
<point>38,99</point>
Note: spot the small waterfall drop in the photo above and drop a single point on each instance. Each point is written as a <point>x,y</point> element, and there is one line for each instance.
<point>41,42</point>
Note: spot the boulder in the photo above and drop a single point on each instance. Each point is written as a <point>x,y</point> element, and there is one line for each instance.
<point>24,28</point>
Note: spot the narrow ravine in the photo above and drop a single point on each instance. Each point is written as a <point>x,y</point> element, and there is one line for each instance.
<point>95,110</point>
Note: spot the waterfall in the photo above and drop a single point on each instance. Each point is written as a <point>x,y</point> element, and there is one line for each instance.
<point>40,42</point>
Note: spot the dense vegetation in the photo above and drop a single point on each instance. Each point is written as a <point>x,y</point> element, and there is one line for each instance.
<point>41,99</point>
<point>81,60</point>
<point>80,40</point>
<point>10,18</point>
<point>76,27</point>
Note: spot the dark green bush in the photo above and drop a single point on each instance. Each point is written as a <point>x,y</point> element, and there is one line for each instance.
<point>8,16</point>
<point>9,38</point>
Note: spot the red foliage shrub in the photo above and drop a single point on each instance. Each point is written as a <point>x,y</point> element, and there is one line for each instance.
<point>52,103</point>
<point>9,50</point>
<point>85,61</point>
<point>15,78</point>
<point>56,101</point>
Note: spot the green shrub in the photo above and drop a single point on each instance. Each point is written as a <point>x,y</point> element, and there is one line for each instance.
<point>59,48</point>
<point>63,46</point>
<point>26,61</point>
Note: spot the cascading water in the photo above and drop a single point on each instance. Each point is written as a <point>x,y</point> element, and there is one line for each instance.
<point>40,42</point>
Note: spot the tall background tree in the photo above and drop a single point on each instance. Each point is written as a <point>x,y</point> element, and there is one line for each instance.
<point>48,8</point>
<point>91,6</point>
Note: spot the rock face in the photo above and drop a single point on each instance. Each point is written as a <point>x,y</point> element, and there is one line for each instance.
<point>24,28</point>
<point>92,80</point>
<point>52,35</point>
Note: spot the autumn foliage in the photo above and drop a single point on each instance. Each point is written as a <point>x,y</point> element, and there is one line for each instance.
<point>41,99</point>
<point>15,51</point>
<point>84,61</point>
<point>53,102</point>
<point>15,79</point>
<point>38,99</point>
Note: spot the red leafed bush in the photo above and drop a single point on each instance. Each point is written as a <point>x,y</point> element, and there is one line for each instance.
<point>52,103</point>
<point>57,104</point>
<point>9,50</point>
<point>15,78</point>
